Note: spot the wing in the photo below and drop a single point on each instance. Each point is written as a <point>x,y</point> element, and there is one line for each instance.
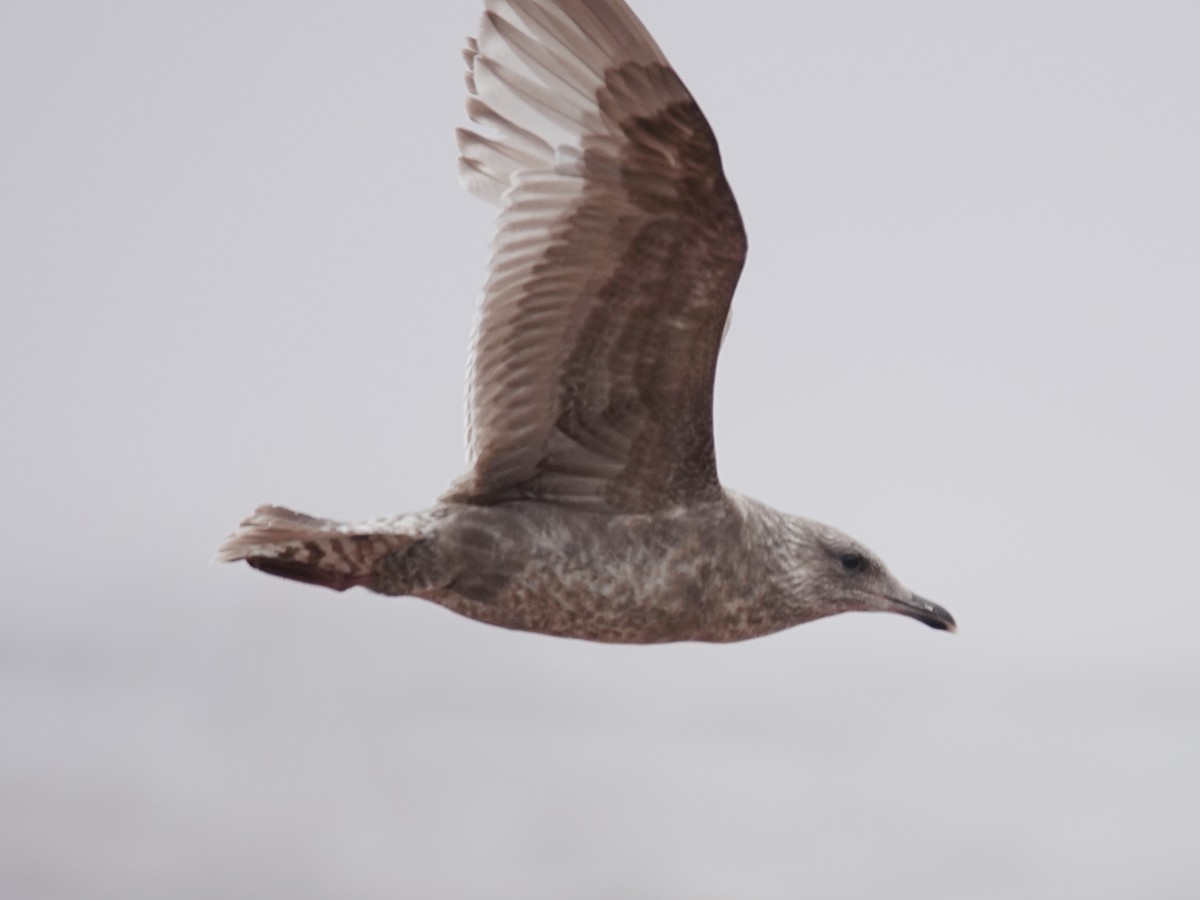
<point>619,246</point>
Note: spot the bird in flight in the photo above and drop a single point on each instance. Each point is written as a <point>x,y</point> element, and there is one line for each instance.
<point>591,506</point>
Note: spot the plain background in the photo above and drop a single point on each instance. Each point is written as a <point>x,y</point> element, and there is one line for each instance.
<point>237,268</point>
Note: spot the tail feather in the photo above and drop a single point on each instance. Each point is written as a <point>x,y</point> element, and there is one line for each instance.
<point>307,573</point>
<point>304,548</point>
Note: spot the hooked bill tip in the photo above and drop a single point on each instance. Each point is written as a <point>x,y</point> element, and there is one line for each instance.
<point>930,613</point>
<point>951,626</point>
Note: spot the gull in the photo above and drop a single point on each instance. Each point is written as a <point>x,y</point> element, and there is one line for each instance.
<point>591,506</point>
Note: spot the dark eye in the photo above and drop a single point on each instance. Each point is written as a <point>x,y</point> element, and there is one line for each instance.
<point>853,562</point>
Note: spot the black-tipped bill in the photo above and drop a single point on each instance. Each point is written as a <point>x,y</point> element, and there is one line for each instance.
<point>926,611</point>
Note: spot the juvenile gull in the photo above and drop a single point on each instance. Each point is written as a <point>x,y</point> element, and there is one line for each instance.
<point>591,506</point>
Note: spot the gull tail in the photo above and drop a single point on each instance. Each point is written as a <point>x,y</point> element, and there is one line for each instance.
<point>303,548</point>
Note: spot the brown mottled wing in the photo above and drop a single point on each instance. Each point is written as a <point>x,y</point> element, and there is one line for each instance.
<point>618,250</point>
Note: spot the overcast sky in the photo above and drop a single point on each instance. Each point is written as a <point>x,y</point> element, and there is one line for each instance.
<point>238,268</point>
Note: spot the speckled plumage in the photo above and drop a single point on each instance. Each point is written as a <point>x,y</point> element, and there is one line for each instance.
<point>591,506</point>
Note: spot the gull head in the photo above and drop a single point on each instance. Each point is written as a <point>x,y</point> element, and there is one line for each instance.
<point>834,573</point>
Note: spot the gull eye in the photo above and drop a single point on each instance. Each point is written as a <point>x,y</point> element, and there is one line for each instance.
<point>853,562</point>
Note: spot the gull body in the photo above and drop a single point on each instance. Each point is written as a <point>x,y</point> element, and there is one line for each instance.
<point>591,506</point>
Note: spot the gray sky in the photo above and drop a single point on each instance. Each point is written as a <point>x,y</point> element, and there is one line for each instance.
<point>238,268</point>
